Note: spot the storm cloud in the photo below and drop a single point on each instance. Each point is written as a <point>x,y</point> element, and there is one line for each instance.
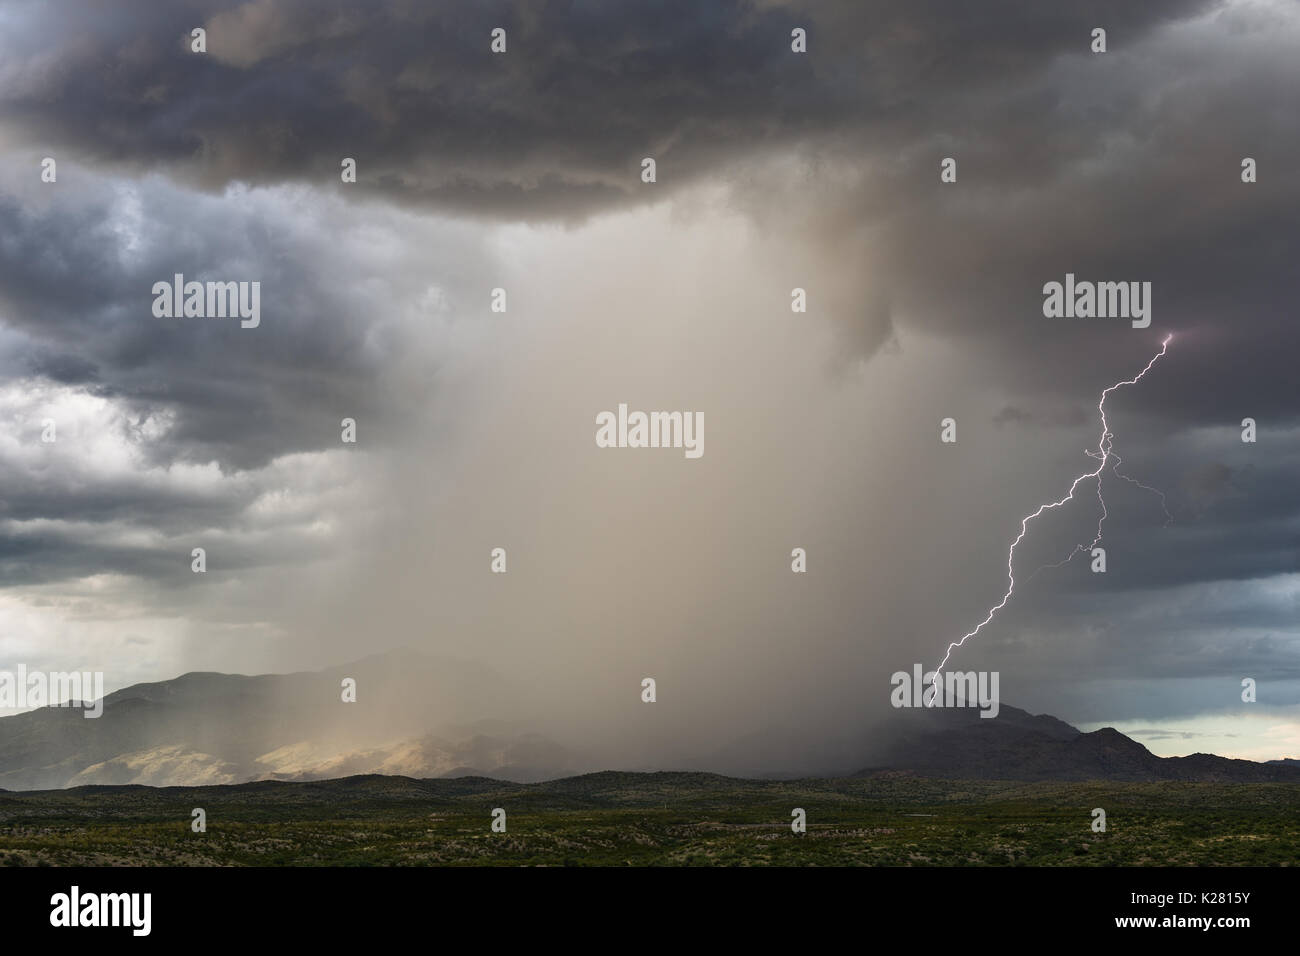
<point>775,170</point>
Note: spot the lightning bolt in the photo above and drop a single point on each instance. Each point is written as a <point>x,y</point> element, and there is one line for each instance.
<point>1104,456</point>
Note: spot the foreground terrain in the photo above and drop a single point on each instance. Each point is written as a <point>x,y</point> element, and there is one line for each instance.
<point>884,819</point>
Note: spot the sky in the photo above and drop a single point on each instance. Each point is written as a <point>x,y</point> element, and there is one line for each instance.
<point>775,170</point>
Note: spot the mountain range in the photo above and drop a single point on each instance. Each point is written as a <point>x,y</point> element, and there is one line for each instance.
<point>211,728</point>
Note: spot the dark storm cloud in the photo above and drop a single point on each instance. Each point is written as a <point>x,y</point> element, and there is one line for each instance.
<point>62,368</point>
<point>40,557</point>
<point>558,126</point>
<point>330,325</point>
<point>1109,166</point>
<point>1123,165</point>
<point>1118,166</point>
<point>344,332</point>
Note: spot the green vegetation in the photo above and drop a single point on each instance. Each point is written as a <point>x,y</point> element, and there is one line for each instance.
<point>665,819</point>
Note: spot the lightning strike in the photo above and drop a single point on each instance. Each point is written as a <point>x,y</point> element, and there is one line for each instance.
<point>1104,456</point>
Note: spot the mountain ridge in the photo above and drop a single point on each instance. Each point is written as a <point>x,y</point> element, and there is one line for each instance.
<point>421,717</point>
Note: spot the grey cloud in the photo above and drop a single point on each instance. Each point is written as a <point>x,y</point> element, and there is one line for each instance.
<point>554,128</point>
<point>332,324</point>
<point>1123,166</point>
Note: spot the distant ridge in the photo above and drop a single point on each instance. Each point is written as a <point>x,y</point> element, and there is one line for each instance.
<point>416,715</point>
<point>421,717</point>
<point>1017,745</point>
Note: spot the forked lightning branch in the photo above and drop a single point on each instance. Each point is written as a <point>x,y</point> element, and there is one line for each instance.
<point>1106,459</point>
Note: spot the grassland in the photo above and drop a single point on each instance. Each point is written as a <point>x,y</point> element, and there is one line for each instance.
<point>659,819</point>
